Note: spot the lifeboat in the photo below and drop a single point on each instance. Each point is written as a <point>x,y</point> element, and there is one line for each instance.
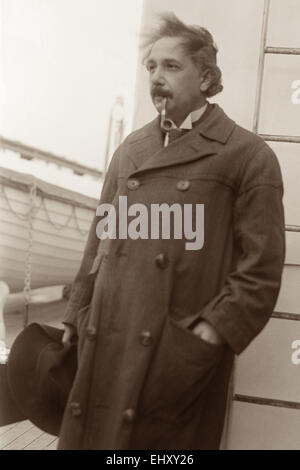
<point>43,231</point>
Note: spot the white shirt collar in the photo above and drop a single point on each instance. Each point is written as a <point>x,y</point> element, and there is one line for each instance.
<point>192,117</point>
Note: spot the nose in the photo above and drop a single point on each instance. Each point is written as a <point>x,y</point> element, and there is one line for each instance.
<point>157,77</point>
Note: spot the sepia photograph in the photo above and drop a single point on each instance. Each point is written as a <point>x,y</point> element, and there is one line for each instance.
<point>149,227</point>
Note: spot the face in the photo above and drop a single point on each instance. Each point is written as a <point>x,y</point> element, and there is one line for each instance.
<point>173,74</point>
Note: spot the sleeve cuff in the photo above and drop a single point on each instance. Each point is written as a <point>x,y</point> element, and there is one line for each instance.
<point>233,333</point>
<point>70,316</point>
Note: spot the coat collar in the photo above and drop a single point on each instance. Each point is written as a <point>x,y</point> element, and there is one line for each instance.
<point>146,145</point>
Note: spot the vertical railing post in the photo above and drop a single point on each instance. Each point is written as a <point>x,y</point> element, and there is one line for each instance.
<point>261,65</point>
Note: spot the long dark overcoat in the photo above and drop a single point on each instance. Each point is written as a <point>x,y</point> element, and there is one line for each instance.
<point>145,381</point>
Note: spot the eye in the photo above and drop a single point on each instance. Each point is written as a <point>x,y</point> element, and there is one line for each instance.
<point>150,68</point>
<point>172,66</point>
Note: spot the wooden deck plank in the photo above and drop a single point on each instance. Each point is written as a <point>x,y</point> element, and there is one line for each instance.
<point>4,429</point>
<point>26,438</point>
<point>53,445</point>
<point>42,442</point>
<point>14,433</point>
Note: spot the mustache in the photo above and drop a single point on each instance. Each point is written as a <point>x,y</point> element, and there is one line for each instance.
<point>159,91</point>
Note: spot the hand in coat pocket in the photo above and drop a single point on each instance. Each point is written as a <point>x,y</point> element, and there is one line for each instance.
<point>208,333</point>
<point>180,374</point>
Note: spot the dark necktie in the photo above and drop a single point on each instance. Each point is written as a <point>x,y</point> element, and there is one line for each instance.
<point>176,133</point>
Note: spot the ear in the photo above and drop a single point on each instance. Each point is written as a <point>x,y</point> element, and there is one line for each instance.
<point>205,82</point>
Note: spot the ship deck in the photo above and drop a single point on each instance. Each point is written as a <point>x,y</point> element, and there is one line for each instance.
<point>25,436</point>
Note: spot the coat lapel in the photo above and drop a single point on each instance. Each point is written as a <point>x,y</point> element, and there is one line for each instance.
<point>148,153</point>
<point>148,142</point>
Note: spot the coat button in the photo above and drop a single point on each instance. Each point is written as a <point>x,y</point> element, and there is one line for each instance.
<point>133,184</point>
<point>162,261</point>
<point>128,416</point>
<point>75,409</point>
<point>91,333</point>
<point>146,338</point>
<point>183,185</point>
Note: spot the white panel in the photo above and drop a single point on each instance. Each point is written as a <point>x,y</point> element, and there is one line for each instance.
<point>289,296</point>
<point>284,28</point>
<point>289,159</point>
<point>292,248</point>
<point>258,427</point>
<point>265,368</point>
<point>278,113</point>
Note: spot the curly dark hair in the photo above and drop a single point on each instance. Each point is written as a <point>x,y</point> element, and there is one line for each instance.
<point>197,42</point>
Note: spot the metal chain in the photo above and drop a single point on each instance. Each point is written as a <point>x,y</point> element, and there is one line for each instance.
<point>18,215</point>
<point>43,204</point>
<point>28,260</point>
<point>55,225</point>
<point>80,230</point>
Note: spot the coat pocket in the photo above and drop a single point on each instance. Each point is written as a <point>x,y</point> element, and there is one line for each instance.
<point>180,374</point>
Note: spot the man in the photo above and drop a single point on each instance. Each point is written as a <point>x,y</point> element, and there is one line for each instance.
<point>159,324</point>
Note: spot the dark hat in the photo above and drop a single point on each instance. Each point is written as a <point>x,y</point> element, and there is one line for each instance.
<point>40,373</point>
